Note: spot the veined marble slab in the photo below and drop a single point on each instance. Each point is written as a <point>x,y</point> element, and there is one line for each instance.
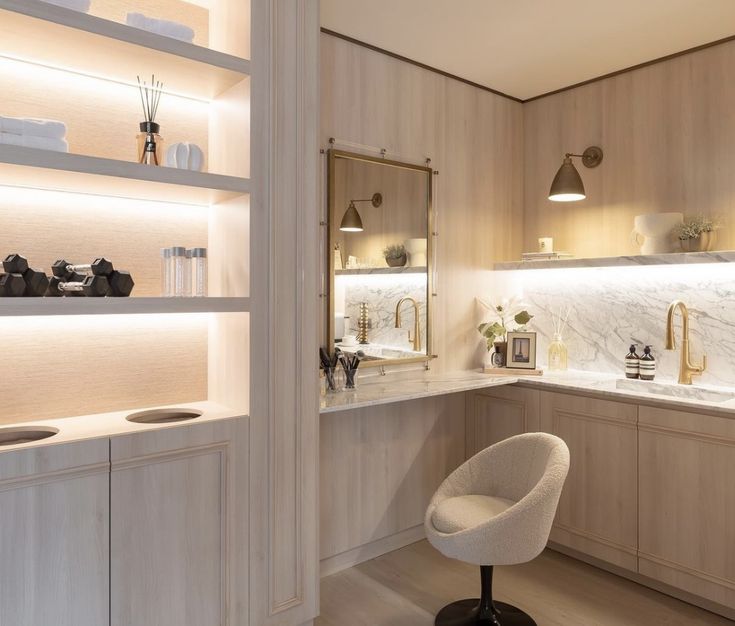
<point>676,258</point>
<point>387,390</point>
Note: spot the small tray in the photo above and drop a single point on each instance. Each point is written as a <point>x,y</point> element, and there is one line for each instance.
<point>512,371</point>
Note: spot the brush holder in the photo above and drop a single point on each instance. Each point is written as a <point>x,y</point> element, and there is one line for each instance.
<point>150,144</point>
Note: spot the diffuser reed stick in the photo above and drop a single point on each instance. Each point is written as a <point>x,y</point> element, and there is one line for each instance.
<point>150,142</point>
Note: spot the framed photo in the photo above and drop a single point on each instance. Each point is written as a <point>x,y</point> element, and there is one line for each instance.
<point>522,350</point>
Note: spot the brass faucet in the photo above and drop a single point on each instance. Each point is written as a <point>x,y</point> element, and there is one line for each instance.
<point>686,369</point>
<point>416,325</point>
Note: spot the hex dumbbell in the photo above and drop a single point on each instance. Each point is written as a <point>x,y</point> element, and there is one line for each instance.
<point>120,283</point>
<point>12,285</point>
<point>35,281</point>
<point>92,287</point>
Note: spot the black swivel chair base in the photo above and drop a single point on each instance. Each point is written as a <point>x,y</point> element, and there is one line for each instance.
<point>483,612</point>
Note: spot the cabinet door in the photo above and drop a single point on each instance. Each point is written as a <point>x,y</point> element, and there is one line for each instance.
<point>178,535</point>
<point>598,509</point>
<point>687,502</point>
<point>497,413</point>
<point>54,547</point>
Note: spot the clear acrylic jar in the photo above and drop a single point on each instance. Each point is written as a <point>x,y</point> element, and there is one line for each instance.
<point>166,272</point>
<point>179,267</point>
<point>199,272</point>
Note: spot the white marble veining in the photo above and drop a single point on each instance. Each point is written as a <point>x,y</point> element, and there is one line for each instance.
<point>382,293</point>
<point>676,258</point>
<point>386,390</point>
<point>615,307</point>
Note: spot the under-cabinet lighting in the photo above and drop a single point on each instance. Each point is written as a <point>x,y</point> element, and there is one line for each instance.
<point>19,67</point>
<point>92,327</point>
<point>62,199</point>
<point>386,281</point>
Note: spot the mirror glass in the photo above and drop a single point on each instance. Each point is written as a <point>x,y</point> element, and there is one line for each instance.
<point>380,255</point>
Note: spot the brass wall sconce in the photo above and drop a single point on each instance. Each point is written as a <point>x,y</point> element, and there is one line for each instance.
<point>351,220</point>
<point>568,185</point>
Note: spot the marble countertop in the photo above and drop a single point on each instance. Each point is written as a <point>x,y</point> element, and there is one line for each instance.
<point>386,390</point>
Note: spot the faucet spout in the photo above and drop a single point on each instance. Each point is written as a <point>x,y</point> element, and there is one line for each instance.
<point>686,368</point>
<point>416,322</point>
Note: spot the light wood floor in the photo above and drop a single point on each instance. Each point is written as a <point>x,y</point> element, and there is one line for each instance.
<point>407,587</point>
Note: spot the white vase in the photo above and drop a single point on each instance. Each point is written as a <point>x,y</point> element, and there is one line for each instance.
<point>416,249</point>
<point>653,232</point>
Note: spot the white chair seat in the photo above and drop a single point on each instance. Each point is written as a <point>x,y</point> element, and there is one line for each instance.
<point>463,512</point>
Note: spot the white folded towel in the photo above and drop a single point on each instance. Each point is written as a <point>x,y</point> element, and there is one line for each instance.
<point>75,5</point>
<point>33,127</point>
<point>28,141</point>
<point>161,27</point>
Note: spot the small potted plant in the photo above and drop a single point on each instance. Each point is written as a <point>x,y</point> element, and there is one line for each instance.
<point>510,316</point>
<point>395,255</point>
<point>697,234</point>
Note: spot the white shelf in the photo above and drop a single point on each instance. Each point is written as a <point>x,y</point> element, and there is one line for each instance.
<point>381,270</point>
<point>674,258</point>
<point>33,307</point>
<point>44,33</point>
<point>43,169</point>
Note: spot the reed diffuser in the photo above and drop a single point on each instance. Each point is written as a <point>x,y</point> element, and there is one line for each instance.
<point>558,355</point>
<point>150,142</point>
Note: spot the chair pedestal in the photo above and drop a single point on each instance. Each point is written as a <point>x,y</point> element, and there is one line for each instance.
<point>483,612</point>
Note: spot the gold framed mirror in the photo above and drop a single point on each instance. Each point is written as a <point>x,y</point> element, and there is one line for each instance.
<point>380,250</point>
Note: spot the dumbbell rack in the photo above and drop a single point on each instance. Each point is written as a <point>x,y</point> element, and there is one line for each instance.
<point>97,201</point>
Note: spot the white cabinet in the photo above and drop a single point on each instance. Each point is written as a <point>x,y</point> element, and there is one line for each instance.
<point>178,526</point>
<point>54,530</point>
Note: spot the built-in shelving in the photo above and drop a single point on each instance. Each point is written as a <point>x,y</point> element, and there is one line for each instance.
<point>59,37</point>
<point>33,307</point>
<point>31,167</point>
<point>381,270</point>
<point>676,258</point>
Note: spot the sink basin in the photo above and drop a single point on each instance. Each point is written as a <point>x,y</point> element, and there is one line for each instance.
<point>689,392</point>
<point>163,416</point>
<point>25,434</point>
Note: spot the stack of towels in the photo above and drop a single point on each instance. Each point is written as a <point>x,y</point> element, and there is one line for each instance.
<point>74,5</point>
<point>161,27</point>
<point>33,133</point>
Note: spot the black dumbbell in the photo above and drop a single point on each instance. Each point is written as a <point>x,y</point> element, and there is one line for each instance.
<point>121,283</point>
<point>12,285</point>
<point>91,286</point>
<point>36,281</point>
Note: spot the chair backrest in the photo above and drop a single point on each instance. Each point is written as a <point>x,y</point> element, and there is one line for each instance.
<point>513,467</point>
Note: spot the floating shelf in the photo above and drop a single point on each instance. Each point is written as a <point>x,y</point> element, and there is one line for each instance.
<point>43,169</point>
<point>675,258</point>
<point>43,33</point>
<point>33,307</point>
<point>381,270</point>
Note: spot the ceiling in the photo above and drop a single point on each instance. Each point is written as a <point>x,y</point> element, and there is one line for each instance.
<point>525,48</point>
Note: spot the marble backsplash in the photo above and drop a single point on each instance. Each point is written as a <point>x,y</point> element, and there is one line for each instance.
<point>382,293</point>
<point>614,307</point>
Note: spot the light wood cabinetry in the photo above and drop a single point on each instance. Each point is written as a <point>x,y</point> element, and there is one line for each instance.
<point>498,413</point>
<point>174,508</point>
<point>598,509</point>
<point>687,502</point>
<point>54,529</point>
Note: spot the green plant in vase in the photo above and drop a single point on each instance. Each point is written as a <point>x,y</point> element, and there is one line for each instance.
<point>510,316</point>
<point>697,234</point>
<point>395,255</point>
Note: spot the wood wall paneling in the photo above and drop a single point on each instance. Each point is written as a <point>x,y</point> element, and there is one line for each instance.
<point>474,139</point>
<point>665,130</point>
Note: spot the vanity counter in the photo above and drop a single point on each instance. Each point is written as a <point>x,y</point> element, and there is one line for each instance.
<point>386,390</point>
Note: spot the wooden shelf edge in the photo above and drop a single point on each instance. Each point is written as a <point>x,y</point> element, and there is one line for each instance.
<point>35,307</point>
<point>381,270</point>
<point>674,258</point>
<point>127,34</point>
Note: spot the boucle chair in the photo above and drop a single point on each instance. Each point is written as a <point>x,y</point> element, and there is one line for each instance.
<point>497,509</point>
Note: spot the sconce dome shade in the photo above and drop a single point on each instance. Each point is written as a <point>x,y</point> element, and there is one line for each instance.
<point>351,220</point>
<point>567,185</point>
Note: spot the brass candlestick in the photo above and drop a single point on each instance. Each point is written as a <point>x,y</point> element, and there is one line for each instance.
<point>362,324</point>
